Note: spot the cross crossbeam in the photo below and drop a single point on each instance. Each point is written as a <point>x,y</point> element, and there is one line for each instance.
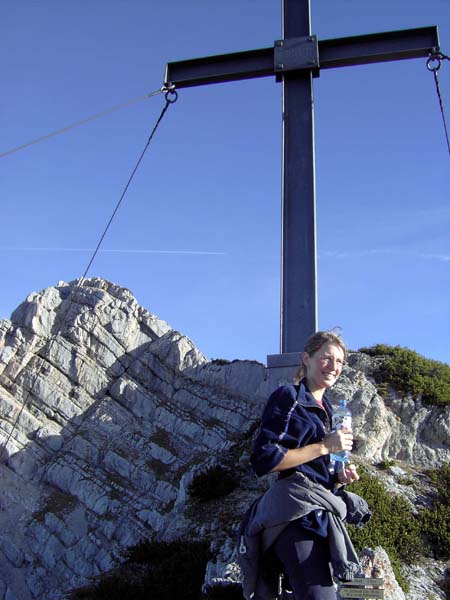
<point>295,60</point>
<point>341,52</point>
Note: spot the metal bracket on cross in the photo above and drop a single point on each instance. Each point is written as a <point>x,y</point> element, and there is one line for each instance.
<point>296,54</point>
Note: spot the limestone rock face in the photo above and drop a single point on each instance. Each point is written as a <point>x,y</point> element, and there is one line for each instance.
<point>399,428</point>
<point>423,580</point>
<point>376,563</point>
<point>106,413</point>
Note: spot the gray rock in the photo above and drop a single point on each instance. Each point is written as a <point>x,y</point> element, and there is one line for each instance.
<point>376,563</point>
<point>396,428</point>
<point>424,580</point>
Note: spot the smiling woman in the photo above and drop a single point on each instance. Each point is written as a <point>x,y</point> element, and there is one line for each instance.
<point>295,439</point>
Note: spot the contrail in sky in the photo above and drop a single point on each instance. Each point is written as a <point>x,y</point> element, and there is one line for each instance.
<point>355,253</point>
<point>117,251</point>
<point>337,254</point>
<point>440,257</point>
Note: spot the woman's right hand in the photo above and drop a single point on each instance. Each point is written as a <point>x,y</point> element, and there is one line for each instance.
<point>341,439</point>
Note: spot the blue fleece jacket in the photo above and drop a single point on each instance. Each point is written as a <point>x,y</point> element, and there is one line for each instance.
<point>293,419</point>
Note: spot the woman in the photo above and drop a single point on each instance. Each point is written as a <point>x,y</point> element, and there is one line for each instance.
<point>295,437</point>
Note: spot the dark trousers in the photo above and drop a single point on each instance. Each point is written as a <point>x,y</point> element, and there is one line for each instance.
<point>305,558</point>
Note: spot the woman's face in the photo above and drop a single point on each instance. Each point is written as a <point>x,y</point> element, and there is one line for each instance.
<point>324,366</point>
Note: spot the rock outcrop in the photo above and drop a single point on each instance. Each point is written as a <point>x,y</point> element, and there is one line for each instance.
<point>398,427</point>
<point>106,413</point>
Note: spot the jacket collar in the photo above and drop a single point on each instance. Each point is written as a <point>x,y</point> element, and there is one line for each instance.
<point>307,400</point>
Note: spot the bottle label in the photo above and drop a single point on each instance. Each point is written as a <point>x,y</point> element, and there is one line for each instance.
<point>342,422</point>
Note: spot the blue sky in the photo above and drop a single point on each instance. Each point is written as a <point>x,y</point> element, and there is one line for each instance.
<point>197,239</point>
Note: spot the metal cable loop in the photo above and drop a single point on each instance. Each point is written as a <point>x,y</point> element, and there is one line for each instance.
<point>434,63</point>
<point>171,96</point>
<point>76,289</point>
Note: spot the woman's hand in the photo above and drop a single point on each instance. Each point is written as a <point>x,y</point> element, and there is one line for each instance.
<point>342,439</point>
<point>348,474</point>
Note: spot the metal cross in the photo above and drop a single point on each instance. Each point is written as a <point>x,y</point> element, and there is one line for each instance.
<point>295,60</point>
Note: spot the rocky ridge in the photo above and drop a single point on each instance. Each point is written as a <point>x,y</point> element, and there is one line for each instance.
<point>106,414</point>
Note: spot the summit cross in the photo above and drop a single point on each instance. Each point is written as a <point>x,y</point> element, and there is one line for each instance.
<point>294,61</point>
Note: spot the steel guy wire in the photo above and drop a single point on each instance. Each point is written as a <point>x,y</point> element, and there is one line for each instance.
<point>434,64</point>
<point>171,97</point>
<point>76,124</point>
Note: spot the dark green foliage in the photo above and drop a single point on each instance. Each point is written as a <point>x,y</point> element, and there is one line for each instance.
<point>435,524</point>
<point>435,521</point>
<point>392,525</point>
<point>385,464</point>
<point>149,552</point>
<point>213,483</point>
<point>228,591</point>
<point>444,584</point>
<point>220,362</point>
<point>440,478</point>
<point>406,481</point>
<point>112,587</point>
<point>409,372</point>
<point>175,569</point>
<point>154,570</point>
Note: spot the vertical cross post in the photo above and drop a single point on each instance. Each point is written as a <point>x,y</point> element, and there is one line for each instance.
<point>299,263</point>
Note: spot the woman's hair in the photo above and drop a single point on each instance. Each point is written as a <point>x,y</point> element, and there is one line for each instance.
<point>314,343</point>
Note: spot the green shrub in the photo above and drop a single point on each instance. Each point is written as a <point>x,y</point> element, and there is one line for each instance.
<point>409,372</point>
<point>392,525</point>
<point>444,584</point>
<point>223,591</point>
<point>435,521</point>
<point>435,524</point>
<point>440,478</point>
<point>214,483</point>
<point>406,481</point>
<point>175,569</point>
<point>159,570</point>
<point>220,362</point>
<point>385,464</point>
<point>112,587</point>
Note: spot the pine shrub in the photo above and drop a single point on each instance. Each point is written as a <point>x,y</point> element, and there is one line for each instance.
<point>214,483</point>
<point>111,587</point>
<point>154,570</point>
<point>435,521</point>
<point>409,372</point>
<point>440,478</point>
<point>386,464</point>
<point>444,584</point>
<point>228,591</point>
<point>392,526</point>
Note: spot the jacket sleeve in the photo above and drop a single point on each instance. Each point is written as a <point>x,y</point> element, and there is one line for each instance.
<point>278,431</point>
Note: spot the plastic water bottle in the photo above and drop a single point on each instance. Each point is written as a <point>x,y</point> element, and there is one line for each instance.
<point>341,419</point>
